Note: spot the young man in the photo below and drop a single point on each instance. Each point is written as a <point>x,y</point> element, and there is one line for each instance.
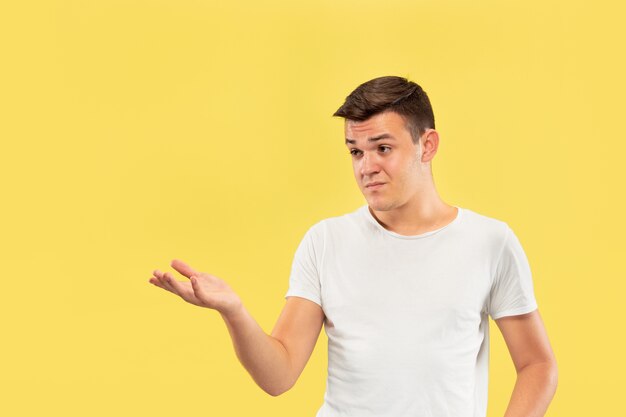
<point>404,286</point>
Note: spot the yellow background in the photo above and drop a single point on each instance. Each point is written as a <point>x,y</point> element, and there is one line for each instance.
<point>136,132</point>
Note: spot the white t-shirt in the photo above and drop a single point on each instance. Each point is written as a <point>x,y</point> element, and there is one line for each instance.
<point>407,317</point>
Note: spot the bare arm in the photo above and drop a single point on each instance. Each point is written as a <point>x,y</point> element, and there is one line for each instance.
<point>534,361</point>
<point>274,361</point>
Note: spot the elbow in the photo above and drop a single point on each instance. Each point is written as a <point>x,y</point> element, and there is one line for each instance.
<point>277,390</point>
<point>554,375</point>
<point>546,373</point>
<point>274,393</point>
<point>552,380</point>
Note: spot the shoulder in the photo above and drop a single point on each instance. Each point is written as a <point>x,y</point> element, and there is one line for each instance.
<point>341,220</point>
<point>481,220</point>
<point>338,225</point>
<point>483,227</point>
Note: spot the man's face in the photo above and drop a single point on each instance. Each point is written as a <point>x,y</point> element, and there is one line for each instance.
<point>392,159</point>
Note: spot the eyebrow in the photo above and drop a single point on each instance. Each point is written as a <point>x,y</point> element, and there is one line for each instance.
<point>372,139</point>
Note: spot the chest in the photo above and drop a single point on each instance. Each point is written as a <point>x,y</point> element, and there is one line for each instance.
<point>381,287</point>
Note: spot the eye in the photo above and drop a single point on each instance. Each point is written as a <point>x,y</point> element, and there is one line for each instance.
<point>353,152</point>
<point>385,147</point>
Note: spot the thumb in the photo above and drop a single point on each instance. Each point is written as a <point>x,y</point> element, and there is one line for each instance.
<point>195,284</point>
<point>183,268</point>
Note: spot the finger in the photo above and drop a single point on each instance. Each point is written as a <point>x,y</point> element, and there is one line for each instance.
<point>155,281</point>
<point>183,268</point>
<point>195,286</point>
<point>174,283</point>
<point>159,277</point>
<point>169,281</point>
<point>164,279</point>
<point>162,276</point>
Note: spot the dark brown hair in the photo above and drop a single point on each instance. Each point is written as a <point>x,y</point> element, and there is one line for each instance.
<point>393,93</point>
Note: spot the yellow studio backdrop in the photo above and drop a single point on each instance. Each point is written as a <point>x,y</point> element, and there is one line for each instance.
<point>137,132</point>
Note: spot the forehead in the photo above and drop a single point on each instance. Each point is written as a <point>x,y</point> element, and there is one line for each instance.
<point>388,121</point>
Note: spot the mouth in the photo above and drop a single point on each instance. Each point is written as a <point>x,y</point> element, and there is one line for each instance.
<point>374,185</point>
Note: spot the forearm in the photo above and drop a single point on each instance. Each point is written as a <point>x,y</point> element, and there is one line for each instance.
<point>533,391</point>
<point>264,357</point>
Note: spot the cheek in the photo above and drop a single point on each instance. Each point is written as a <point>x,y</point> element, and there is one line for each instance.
<point>407,173</point>
<point>356,169</point>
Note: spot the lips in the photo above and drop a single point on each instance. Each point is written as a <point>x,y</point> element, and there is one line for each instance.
<point>374,183</point>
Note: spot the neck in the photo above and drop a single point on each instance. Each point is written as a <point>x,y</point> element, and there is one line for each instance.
<point>424,212</point>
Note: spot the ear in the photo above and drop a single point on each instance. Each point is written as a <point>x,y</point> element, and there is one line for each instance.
<point>430,144</point>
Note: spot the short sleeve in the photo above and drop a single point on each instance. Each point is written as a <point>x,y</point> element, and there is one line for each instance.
<point>304,280</point>
<point>512,290</point>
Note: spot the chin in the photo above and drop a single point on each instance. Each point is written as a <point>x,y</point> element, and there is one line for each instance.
<point>380,204</point>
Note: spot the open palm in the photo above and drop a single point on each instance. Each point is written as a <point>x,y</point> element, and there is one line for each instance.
<point>202,289</point>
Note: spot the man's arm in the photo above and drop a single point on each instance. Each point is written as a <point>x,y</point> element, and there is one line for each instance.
<point>537,374</point>
<point>276,361</point>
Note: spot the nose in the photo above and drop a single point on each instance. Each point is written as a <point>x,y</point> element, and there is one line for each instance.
<point>369,165</point>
